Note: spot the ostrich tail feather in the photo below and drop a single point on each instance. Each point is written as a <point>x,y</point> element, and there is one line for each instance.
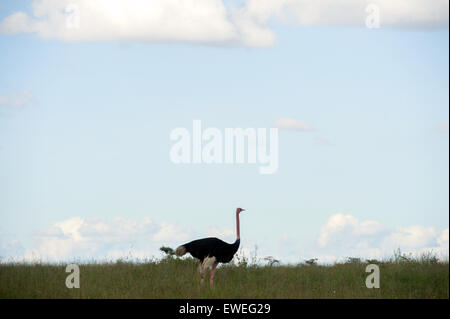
<point>180,251</point>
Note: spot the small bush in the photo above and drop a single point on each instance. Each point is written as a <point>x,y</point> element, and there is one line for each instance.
<point>311,262</point>
<point>168,251</point>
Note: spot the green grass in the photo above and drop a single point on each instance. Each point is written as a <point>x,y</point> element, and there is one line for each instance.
<point>177,278</point>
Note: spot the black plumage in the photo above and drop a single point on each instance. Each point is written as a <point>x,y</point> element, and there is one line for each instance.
<point>212,247</point>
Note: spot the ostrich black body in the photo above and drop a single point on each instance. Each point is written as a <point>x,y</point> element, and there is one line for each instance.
<point>212,247</point>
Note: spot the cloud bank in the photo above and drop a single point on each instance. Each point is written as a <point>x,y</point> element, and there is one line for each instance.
<point>342,235</point>
<point>17,100</point>
<point>97,239</point>
<point>346,236</point>
<point>210,22</point>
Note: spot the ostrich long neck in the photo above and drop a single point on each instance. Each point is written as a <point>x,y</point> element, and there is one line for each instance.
<point>238,236</point>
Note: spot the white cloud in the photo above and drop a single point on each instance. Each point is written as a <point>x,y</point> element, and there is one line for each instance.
<point>18,22</point>
<point>18,100</point>
<point>291,124</point>
<point>398,13</point>
<point>411,237</point>
<point>223,233</point>
<point>340,224</point>
<point>345,235</point>
<point>189,21</point>
<point>443,239</point>
<point>70,228</point>
<point>342,236</point>
<point>170,233</point>
<point>209,22</point>
<point>95,238</point>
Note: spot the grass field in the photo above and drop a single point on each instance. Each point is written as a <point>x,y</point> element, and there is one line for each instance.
<point>177,278</point>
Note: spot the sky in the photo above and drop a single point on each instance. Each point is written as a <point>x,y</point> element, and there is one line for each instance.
<point>90,92</point>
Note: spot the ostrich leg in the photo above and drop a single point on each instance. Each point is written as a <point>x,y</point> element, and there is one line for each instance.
<point>213,272</point>
<point>203,278</point>
<point>207,262</point>
<point>202,273</point>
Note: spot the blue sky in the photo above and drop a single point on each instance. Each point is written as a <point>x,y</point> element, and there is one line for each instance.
<point>84,141</point>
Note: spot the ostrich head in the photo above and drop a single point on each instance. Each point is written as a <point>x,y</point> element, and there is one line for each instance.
<point>238,210</point>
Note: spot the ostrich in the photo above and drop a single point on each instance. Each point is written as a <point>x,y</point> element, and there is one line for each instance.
<point>211,251</point>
